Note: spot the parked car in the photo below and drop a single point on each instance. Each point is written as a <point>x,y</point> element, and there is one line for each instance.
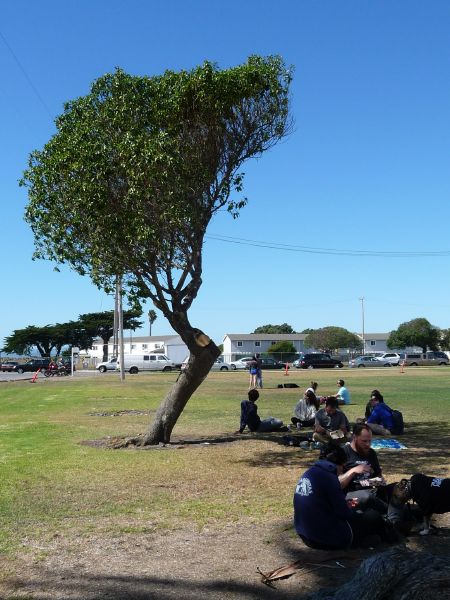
<point>415,359</point>
<point>241,363</point>
<point>221,365</point>
<point>108,365</point>
<point>367,361</point>
<point>318,360</point>
<point>390,357</point>
<point>32,365</point>
<point>271,363</point>
<point>8,365</point>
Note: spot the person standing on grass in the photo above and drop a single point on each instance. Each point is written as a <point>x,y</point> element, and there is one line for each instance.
<point>259,379</point>
<point>253,369</point>
<point>251,419</point>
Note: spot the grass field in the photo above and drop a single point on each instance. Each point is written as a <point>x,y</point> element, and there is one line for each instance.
<point>51,482</point>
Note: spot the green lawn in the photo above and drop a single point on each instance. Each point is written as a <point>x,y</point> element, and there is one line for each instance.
<point>51,482</point>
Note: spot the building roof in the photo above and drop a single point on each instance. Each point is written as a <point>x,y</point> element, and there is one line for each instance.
<point>266,336</point>
<point>145,338</point>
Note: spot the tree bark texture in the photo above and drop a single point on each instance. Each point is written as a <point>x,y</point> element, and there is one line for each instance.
<point>189,380</point>
<point>397,574</point>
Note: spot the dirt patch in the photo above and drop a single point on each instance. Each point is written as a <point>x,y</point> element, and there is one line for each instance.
<point>122,413</point>
<point>215,563</point>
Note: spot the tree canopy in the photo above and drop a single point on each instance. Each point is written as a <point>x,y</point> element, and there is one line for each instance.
<point>101,324</point>
<point>332,338</point>
<point>48,339</point>
<point>417,332</point>
<point>283,328</point>
<point>134,174</point>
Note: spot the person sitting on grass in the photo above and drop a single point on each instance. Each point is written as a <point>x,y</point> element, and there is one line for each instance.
<point>305,410</point>
<point>331,424</point>
<point>369,407</point>
<point>380,420</point>
<point>251,419</point>
<point>323,518</point>
<point>342,395</point>
<point>362,475</point>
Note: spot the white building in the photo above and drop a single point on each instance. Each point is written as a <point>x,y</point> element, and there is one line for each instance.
<point>245,344</point>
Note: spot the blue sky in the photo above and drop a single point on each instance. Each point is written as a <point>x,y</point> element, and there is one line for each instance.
<point>365,169</point>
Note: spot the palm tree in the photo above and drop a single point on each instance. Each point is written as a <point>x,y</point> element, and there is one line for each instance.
<point>151,318</point>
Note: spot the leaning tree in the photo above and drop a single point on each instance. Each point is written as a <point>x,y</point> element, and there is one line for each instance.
<point>130,181</point>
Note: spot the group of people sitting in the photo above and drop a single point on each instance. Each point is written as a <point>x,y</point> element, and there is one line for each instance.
<point>342,500</point>
<point>329,423</point>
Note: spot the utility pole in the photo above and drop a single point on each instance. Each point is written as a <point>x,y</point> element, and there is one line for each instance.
<point>120,323</point>
<point>362,315</point>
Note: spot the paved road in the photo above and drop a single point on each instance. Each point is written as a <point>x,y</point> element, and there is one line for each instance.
<point>28,376</point>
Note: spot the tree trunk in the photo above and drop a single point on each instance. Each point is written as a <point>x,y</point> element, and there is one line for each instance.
<point>198,367</point>
<point>397,574</point>
<point>105,350</point>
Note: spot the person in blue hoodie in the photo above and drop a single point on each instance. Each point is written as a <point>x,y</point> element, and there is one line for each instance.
<point>322,516</point>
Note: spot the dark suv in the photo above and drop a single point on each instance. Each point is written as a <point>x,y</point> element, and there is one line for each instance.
<point>32,365</point>
<point>317,360</point>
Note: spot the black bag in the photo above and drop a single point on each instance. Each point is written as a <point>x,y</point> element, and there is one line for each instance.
<point>399,426</point>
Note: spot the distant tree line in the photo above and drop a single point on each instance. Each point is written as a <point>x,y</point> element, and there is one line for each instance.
<point>417,332</point>
<point>51,339</point>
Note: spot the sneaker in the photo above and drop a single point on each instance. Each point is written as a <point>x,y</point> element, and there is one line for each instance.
<point>299,425</point>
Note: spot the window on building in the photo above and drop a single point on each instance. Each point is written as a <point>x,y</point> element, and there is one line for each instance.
<point>157,346</point>
<point>239,344</point>
<point>133,347</point>
<point>373,343</point>
<point>144,346</point>
<point>94,347</point>
<point>257,344</point>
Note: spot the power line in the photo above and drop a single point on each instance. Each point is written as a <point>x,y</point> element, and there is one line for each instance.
<point>25,74</point>
<point>328,251</point>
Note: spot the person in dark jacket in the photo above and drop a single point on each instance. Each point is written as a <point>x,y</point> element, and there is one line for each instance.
<point>322,516</point>
<point>251,419</point>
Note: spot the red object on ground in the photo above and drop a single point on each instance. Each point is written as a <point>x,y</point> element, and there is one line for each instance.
<point>35,376</point>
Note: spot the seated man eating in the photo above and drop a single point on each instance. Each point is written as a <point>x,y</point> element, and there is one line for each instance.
<point>331,424</point>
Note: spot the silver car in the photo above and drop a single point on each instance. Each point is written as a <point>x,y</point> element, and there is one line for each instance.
<point>367,361</point>
<point>389,357</point>
<point>221,365</point>
<point>242,363</point>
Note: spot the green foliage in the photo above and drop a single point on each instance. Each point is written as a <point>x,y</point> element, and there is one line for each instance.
<point>283,328</point>
<point>332,338</point>
<point>417,332</point>
<point>285,347</point>
<point>101,324</point>
<point>137,168</point>
<point>444,342</point>
<point>47,339</point>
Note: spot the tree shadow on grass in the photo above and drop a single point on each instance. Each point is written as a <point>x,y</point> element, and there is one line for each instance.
<point>134,587</point>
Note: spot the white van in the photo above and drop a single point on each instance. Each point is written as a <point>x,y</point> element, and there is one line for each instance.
<point>147,362</point>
